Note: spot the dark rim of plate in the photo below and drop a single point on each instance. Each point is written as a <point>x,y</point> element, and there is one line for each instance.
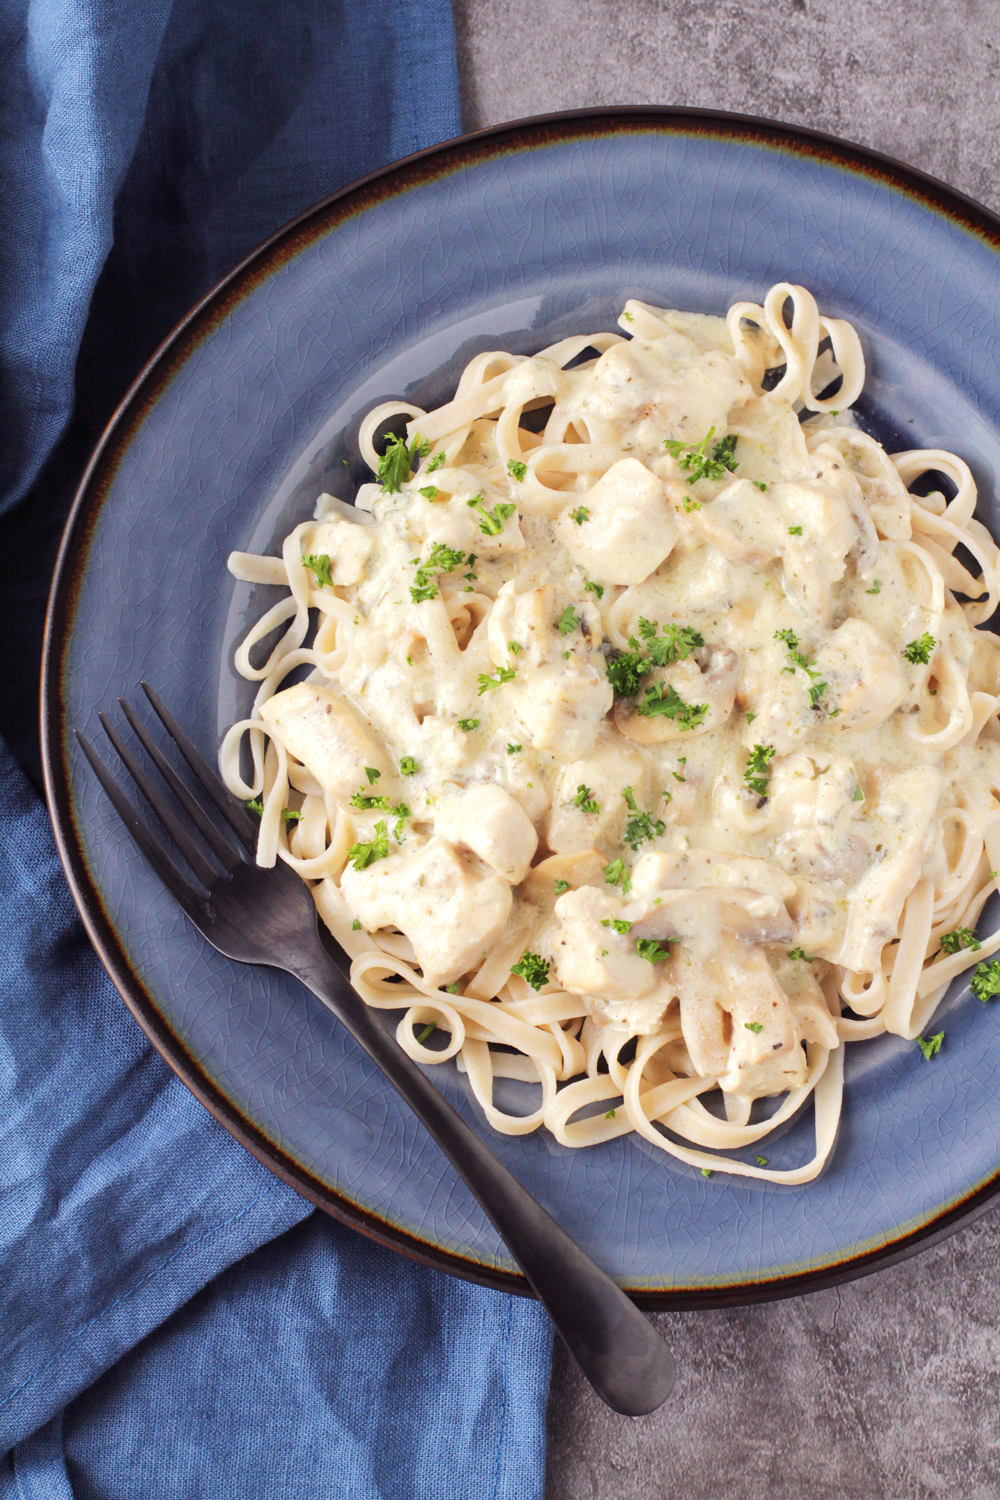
<point>190,332</point>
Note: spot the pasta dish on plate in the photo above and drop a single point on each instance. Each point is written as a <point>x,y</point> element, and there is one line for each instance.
<point>641,744</point>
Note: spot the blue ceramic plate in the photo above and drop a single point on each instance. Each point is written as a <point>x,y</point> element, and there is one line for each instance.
<point>510,239</point>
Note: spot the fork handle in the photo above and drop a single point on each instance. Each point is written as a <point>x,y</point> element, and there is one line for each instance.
<point>621,1354</point>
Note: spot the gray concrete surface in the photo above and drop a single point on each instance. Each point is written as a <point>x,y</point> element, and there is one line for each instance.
<point>886,1389</point>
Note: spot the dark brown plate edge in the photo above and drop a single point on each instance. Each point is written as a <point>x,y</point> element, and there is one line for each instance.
<point>207,312</point>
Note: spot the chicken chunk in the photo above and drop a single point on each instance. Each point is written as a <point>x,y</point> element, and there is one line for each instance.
<point>446,901</point>
<point>594,960</point>
<point>487,820</point>
<point>330,739</point>
<point>864,683</point>
<point>623,528</point>
<point>819,532</point>
<point>603,773</point>
<point>741,523</point>
<point>561,691</point>
<point>348,545</point>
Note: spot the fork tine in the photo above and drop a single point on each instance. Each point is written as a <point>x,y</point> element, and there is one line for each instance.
<point>218,842</point>
<point>239,820</point>
<point>174,881</point>
<point>203,869</point>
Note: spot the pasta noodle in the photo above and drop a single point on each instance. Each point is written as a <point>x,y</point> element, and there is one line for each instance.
<point>641,743</point>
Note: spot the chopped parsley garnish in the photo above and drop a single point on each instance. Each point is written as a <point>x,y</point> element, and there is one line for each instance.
<point>759,484</point>
<point>590,587</point>
<point>567,620</point>
<point>816,689</point>
<point>396,462</point>
<point>755,1026</point>
<point>363,855</point>
<point>619,925</point>
<point>256,806</point>
<point>962,937</point>
<point>491,522</point>
<point>514,646</point>
<point>675,644</point>
<point>696,459</point>
<point>630,801</point>
<point>533,968</point>
<point>665,701</point>
<point>435,463</point>
<point>809,958</point>
<point>650,949</point>
<point>504,674</point>
<point>355,925</point>
<point>468,725</point>
<point>642,827</point>
<point>629,319</point>
<point>367,803</point>
<point>452,988</point>
<point>442,559</point>
<point>757,775</point>
<point>795,531</point>
<point>761,1161</point>
<point>400,811</point>
<point>427,1031</point>
<point>291,815</point>
<point>580,515</point>
<point>876,588</point>
<point>616,874</point>
<point>320,564</point>
<point>750,717</point>
<point>705,1172</point>
<point>985,982</point>
<point>514,749</point>
<point>371,775</point>
<point>430,492</point>
<point>516,469</point>
<point>562,886</point>
<point>584,800</point>
<point>919,651</point>
<point>626,671</point>
<point>932,1045</point>
<point>408,766</point>
<point>611,1114</point>
<point>859,795</point>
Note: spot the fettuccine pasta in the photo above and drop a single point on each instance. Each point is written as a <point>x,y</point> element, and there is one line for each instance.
<point>642,742</point>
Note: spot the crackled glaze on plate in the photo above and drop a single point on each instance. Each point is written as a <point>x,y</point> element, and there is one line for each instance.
<point>508,240</point>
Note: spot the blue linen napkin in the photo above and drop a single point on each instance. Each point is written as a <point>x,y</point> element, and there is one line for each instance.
<point>173,1320</point>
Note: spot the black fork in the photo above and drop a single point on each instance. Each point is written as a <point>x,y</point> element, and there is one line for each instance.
<point>261,916</point>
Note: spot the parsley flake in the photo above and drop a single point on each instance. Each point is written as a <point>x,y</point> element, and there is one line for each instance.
<point>932,1045</point>
<point>491,522</point>
<point>514,749</point>
<point>435,463</point>
<point>761,1161</point>
<point>442,559</point>
<point>319,564</point>
<point>590,587</point>
<point>626,671</point>
<point>616,874</point>
<point>919,651</point>
<point>427,1031</point>
<point>364,854</point>
<point>611,1114</point>
<point>355,925</point>
<point>561,887</point>
<point>371,775</point>
<point>396,462</point>
<point>876,588</point>
<point>532,968</point>
<point>468,725</point>
<point>809,958</point>
<point>985,982</point>
<point>696,460</point>
<point>755,1026</point>
<point>430,492</point>
<point>757,775</point>
<point>256,806</point>
<point>567,620</point>
<point>580,515</point>
<point>516,469</point>
<point>962,937</point>
<point>504,674</point>
<point>795,531</point>
<point>665,701</point>
<point>584,800</point>
<point>408,766</point>
<point>650,949</point>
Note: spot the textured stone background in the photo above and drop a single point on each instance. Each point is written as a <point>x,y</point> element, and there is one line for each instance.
<point>886,1389</point>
